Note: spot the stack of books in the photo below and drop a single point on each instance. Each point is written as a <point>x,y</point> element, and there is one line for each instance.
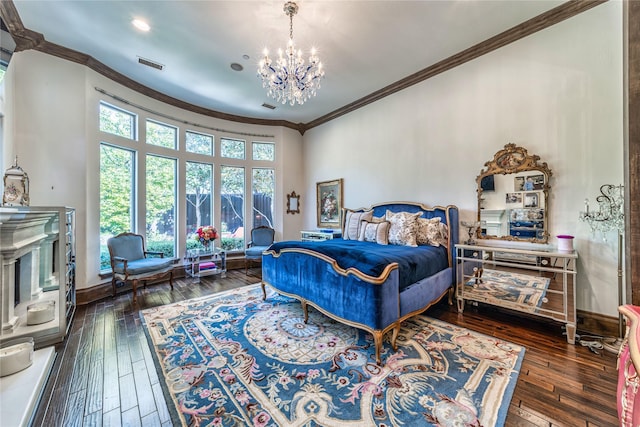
<point>207,266</point>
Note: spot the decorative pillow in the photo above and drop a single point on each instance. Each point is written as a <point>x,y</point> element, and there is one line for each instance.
<point>377,232</point>
<point>432,232</point>
<point>444,235</point>
<point>352,223</point>
<point>403,228</point>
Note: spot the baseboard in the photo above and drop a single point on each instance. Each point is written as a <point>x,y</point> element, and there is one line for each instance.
<point>597,324</point>
<point>587,322</point>
<point>104,290</point>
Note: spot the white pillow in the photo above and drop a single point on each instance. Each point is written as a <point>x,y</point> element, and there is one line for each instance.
<point>377,232</point>
<point>352,223</point>
<point>403,229</point>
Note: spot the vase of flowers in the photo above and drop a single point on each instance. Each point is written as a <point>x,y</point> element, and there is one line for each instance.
<point>206,234</point>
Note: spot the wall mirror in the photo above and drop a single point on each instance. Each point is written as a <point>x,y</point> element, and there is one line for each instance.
<point>513,197</point>
<point>293,203</point>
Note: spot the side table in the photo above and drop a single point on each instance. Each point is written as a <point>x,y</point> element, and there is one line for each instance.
<point>202,262</point>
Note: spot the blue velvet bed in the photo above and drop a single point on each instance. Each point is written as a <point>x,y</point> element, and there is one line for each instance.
<point>365,284</point>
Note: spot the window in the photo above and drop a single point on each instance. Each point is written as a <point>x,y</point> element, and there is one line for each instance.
<point>232,199</point>
<point>199,143</point>
<point>116,121</point>
<point>264,151</point>
<point>162,135</point>
<point>263,184</point>
<point>151,184</point>
<point>117,195</point>
<point>199,182</point>
<point>232,148</point>
<point>161,205</point>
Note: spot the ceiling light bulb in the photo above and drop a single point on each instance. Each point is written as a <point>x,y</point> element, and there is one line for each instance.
<point>141,25</point>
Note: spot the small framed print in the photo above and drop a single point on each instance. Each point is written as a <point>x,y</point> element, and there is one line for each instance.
<point>514,199</point>
<point>16,186</point>
<point>531,200</point>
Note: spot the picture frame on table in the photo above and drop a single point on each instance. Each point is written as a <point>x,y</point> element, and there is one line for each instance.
<point>329,203</point>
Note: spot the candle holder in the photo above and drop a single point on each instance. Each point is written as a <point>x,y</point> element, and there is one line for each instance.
<point>609,216</point>
<point>610,212</point>
<point>472,227</point>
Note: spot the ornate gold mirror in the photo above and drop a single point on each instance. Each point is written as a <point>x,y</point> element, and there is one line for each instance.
<point>513,197</point>
<point>293,203</point>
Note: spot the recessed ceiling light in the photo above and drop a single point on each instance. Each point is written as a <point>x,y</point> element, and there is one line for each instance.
<point>236,67</point>
<point>245,56</point>
<point>141,25</point>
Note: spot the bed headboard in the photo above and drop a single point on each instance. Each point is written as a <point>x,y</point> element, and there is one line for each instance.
<point>447,214</point>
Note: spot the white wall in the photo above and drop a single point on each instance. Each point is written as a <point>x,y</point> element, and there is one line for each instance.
<point>558,93</point>
<point>54,107</point>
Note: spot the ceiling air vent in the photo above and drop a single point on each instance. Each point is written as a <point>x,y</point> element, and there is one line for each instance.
<point>269,106</point>
<point>150,63</point>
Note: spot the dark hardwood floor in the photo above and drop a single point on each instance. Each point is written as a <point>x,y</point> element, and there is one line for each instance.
<point>104,373</point>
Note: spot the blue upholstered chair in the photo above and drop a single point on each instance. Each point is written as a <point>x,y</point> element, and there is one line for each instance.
<point>129,262</point>
<point>261,239</point>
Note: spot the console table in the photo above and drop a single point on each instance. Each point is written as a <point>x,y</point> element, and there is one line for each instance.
<point>541,282</point>
<point>205,262</point>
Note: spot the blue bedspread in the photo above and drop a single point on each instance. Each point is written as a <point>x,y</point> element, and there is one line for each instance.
<point>414,263</point>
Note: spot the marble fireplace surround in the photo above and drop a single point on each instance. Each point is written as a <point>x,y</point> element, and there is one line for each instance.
<point>28,236</point>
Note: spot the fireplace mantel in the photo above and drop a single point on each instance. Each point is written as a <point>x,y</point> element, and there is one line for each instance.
<point>34,265</point>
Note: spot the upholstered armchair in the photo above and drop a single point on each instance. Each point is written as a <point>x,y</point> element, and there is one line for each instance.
<point>129,262</point>
<point>261,238</point>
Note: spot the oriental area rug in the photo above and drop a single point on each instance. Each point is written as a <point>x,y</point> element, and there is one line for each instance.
<point>232,359</point>
<point>509,290</point>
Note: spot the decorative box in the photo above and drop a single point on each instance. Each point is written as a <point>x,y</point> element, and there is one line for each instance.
<point>16,356</point>
<point>41,312</point>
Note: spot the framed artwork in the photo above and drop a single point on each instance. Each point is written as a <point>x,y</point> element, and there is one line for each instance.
<point>329,202</point>
<point>293,203</point>
<point>518,183</point>
<point>528,183</point>
<point>537,182</point>
<point>514,199</point>
<point>531,200</point>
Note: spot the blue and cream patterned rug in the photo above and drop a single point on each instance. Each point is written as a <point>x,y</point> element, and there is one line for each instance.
<point>507,289</point>
<point>232,359</point>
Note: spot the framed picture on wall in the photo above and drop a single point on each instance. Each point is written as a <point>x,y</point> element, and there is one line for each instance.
<point>538,181</point>
<point>514,200</point>
<point>531,200</point>
<point>329,203</point>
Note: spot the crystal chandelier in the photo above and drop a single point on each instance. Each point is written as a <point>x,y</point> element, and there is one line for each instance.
<point>289,79</point>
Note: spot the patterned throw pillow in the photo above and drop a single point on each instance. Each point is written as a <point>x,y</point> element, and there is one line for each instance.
<point>432,232</point>
<point>377,232</point>
<point>403,228</point>
<point>352,223</point>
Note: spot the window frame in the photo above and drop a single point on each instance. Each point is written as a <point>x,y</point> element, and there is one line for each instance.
<point>141,149</point>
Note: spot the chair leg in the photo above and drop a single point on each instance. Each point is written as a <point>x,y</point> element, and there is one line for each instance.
<point>113,286</point>
<point>171,279</point>
<point>246,266</point>
<point>135,291</point>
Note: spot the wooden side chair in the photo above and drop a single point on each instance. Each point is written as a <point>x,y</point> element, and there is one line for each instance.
<point>129,262</point>
<point>261,238</point>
